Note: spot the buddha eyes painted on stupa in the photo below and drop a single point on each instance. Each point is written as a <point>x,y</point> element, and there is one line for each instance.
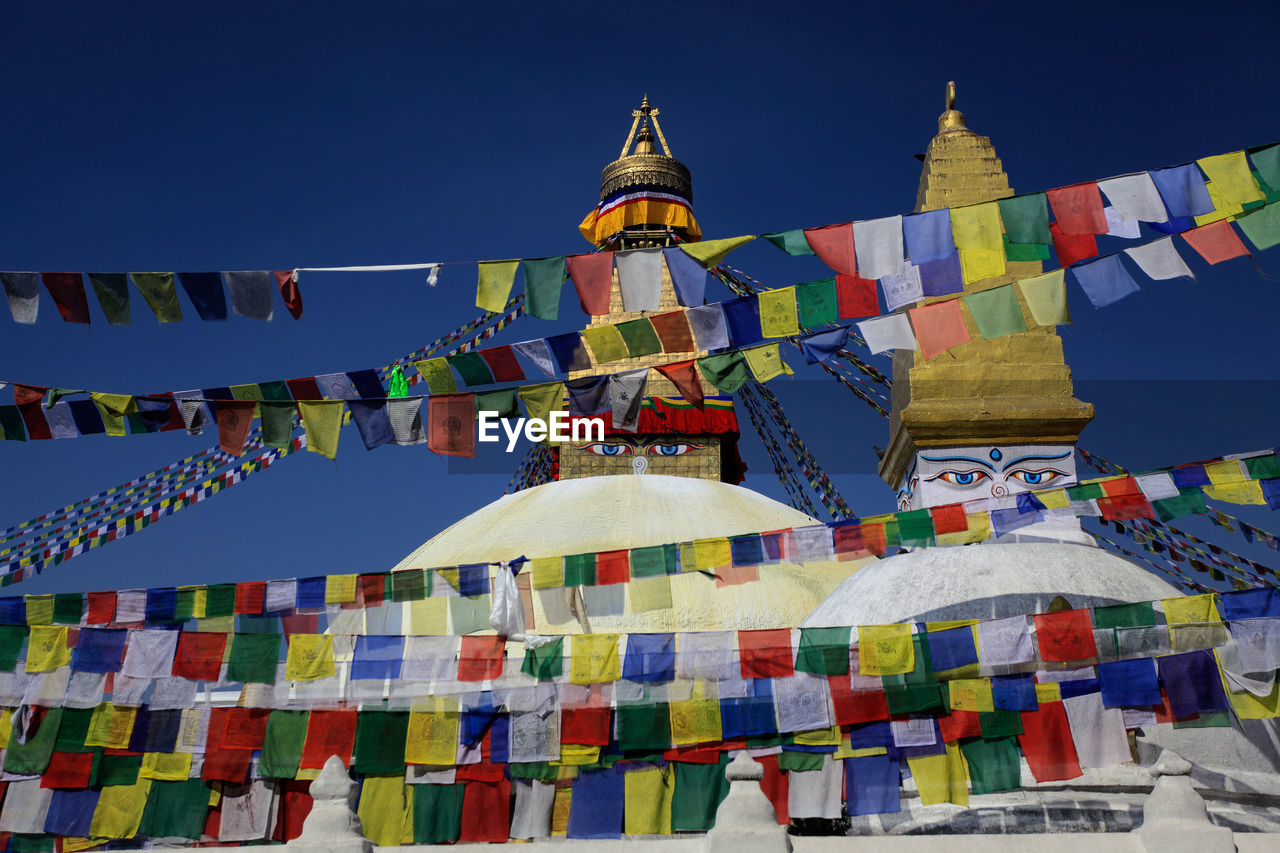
<point>958,474</point>
<point>624,448</point>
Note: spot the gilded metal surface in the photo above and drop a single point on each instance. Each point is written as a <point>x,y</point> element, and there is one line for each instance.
<point>635,169</point>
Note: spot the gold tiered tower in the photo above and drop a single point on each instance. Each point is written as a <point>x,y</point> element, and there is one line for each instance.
<point>1016,389</point>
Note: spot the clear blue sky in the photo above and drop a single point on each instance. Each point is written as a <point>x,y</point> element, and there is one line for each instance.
<point>161,136</point>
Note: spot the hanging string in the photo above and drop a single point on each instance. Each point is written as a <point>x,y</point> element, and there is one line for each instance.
<point>818,479</point>
<point>796,496</point>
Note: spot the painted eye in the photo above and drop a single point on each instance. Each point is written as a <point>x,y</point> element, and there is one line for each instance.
<point>611,449</point>
<point>671,449</point>
<point>962,478</point>
<point>1036,478</point>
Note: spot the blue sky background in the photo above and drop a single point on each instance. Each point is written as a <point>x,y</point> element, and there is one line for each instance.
<point>160,136</point>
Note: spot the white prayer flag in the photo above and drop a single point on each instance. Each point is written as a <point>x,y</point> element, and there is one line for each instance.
<point>1160,260</point>
<point>878,246</point>
<point>1135,197</point>
<point>640,278</point>
<point>892,331</point>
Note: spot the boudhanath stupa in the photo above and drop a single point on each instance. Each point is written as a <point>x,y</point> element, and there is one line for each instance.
<point>613,653</point>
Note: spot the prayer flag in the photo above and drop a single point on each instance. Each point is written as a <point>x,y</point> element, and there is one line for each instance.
<point>766,653</point>
<point>204,289</point>
<point>824,651</point>
<point>251,293</point>
<point>569,351</point>
<point>438,376</point>
<point>539,353</point>
<point>742,316</point>
<point>1098,732</point>
<point>1183,191</point>
<point>1231,175</point>
<point>709,328</point>
<point>684,376</point>
<point>904,289</point>
<point>595,658</point>
<point>833,244</point>
<point>157,288</point>
<point>711,252</point>
<point>640,337</point>
<point>22,290</point>
<point>328,733</point>
<point>253,658</point>
<point>650,657</point>
<point>943,276</point>
<point>502,363</point>
<point>1105,280</point>
<point>1135,198</point>
<point>1046,297</point>
<point>310,657</point>
<point>286,281</point>
<point>817,302</point>
<point>1072,247</point>
<point>235,419</point>
<point>993,764</point>
<point>941,778</point>
<point>778,316</point>
<point>996,311</point>
<point>1160,260</point>
<point>891,331</point>
<point>856,297</point>
<point>673,332</point>
<point>640,279</point>
<point>822,345</point>
<point>1216,242</point>
<point>979,264</point>
<point>543,278</point>
<point>480,658</point>
<point>885,649</point>
<point>1129,683</point>
<point>977,226</point>
<point>879,246</point>
<point>1262,226</point>
<point>606,343</point>
<point>588,396</point>
<point>688,277</point>
<point>766,362</point>
<point>626,395</point>
<point>541,400</point>
<point>471,366</point>
<point>1026,218</point>
<point>112,290</point>
<point>451,424</point>
<point>1078,210</point>
<point>791,242</point>
<point>592,277</point>
<point>493,284</point>
<point>938,327</point>
<point>323,421</point>
<point>727,372</point>
<point>67,290</point>
<point>1065,636</point>
<point>928,236</point>
<point>872,785</point>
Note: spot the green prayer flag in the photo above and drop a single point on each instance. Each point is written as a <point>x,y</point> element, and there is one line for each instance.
<point>220,600</point>
<point>1261,226</point>
<point>606,343</point>
<point>996,311</point>
<point>1190,501</point>
<point>545,662</point>
<point>727,372</point>
<point>473,369</point>
<point>539,770</point>
<point>74,729</point>
<point>31,758</point>
<point>494,284</point>
<point>277,423</point>
<point>824,651</point>
<point>276,390</point>
<point>250,391</point>
<point>699,790</point>
<point>580,570</point>
<point>541,400</point>
<point>11,425</point>
<point>790,759</point>
<point>502,401</point>
<point>469,614</point>
<point>282,744</point>
<point>438,376</point>
<point>656,560</point>
<point>711,252</point>
<point>12,639</point>
<point>1138,615</point>
<point>817,301</point>
<point>68,607</point>
<point>157,288</point>
<point>254,658</point>
<point>791,242</point>
<point>1263,467</point>
<point>993,764</point>
<point>1026,218</point>
<point>112,290</point>
<point>397,385</point>
<point>380,742</point>
<point>1085,492</point>
<point>917,691</point>
<point>640,337</point>
<point>408,585</point>
<point>119,769</point>
<point>915,528</point>
<point>543,281</point>
<point>184,607</point>
<point>176,810</point>
<point>437,813</point>
<point>21,843</point>
<point>1210,720</point>
<point>645,726</point>
<point>1267,162</point>
<point>1000,723</point>
<point>1024,252</point>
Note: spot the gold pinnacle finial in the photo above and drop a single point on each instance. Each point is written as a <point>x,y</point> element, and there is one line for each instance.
<point>951,118</point>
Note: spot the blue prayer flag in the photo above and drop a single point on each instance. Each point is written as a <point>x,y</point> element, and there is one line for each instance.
<point>872,785</point>
<point>750,716</point>
<point>1192,682</point>
<point>13,610</point>
<point>204,289</point>
<point>595,809</point>
<point>71,812</point>
<point>569,352</point>
<point>687,276</point>
<point>366,383</point>
<point>473,579</point>
<point>742,316</point>
<point>820,346</point>
<point>1078,687</point>
<point>99,650</point>
<point>1014,693</point>
<point>1129,683</point>
<point>1183,190</point>
<point>952,648</point>
<point>747,550</point>
<point>870,735</point>
<point>1250,603</point>
<point>650,657</point>
<point>1105,280</point>
<point>942,277</point>
<point>372,421</point>
<point>928,236</point>
<point>1190,476</point>
<point>311,592</point>
<point>377,657</point>
<point>162,602</point>
<point>588,396</point>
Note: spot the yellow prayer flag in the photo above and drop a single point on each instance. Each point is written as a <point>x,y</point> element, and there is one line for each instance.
<point>819,737</point>
<point>1223,208</point>
<point>711,252</point>
<point>111,726</point>
<point>47,648</point>
<point>6,729</point>
<point>577,754</point>
<point>199,601</point>
<point>1055,499</point>
<point>979,530</point>
<point>766,362</point>
<point>948,624</point>
<point>438,376</point>
<point>39,609</point>
<point>433,733</point>
<point>778,312</point>
<point>1230,173</point>
<point>942,778</point>
<point>1049,692</point>
<point>217,625</point>
<point>493,284</point>
<point>1248,492</point>
<point>885,649</point>
<point>1046,296</point>
<point>71,844</point>
<point>595,658</point>
<point>1226,471</point>
<point>1190,608</point>
<point>560,811</point>
<point>547,572</point>
<point>696,719</point>
<point>646,801</point>
<point>1246,705</point>
<point>978,226</point>
<point>340,589</point>
<point>113,408</point>
<point>386,810</point>
<point>323,421</point>
<point>709,554</point>
<point>541,400</point>
<point>119,810</point>
<point>861,752</point>
<point>649,594</point>
<point>429,616</point>
<point>606,343</point>
<point>166,766</point>
<point>977,264</point>
<point>310,657</point>
<point>971,694</point>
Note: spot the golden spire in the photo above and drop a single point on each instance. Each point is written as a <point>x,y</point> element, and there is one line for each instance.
<point>951,118</point>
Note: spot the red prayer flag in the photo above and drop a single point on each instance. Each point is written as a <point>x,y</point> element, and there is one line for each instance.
<point>502,363</point>
<point>673,331</point>
<point>246,728</point>
<point>873,535</point>
<point>289,292</point>
<point>305,388</point>
<point>853,707</point>
<point>1072,247</point>
<point>235,419</point>
<point>199,655</point>
<point>1216,242</point>
<point>30,402</point>
<point>1120,486</point>
<point>68,770</point>
<point>222,764</point>
<point>1047,745</point>
<point>102,609</point>
<point>486,812</point>
<point>694,754</point>
<point>856,297</point>
<point>593,277</point>
<point>833,244</point>
<point>373,589</point>
<point>300,623</point>
<point>295,804</point>
<point>775,787</point>
<point>250,597</point>
<point>588,726</point>
<point>960,724</point>
<point>613,567</point>
<point>684,375</point>
<point>766,653</point>
<point>481,771</point>
<point>1078,209</point>
<point>328,733</point>
<point>736,575</point>
<point>67,290</point>
<point>480,658</point>
<point>938,327</point>
<point>849,541</point>
<point>1065,636</point>
<point>949,519</point>
<point>451,422</point>
<point>1125,507</point>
